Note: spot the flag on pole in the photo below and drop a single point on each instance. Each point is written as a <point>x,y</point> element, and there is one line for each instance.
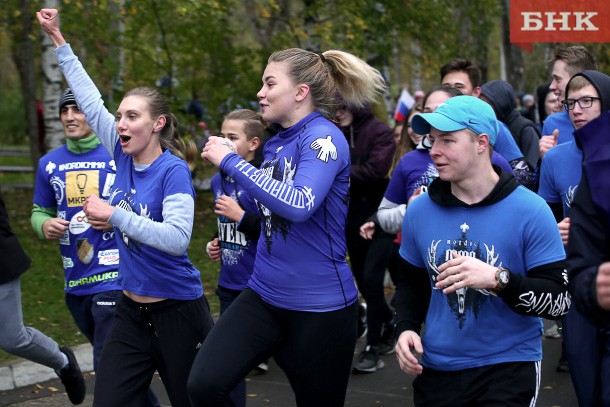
<point>404,104</point>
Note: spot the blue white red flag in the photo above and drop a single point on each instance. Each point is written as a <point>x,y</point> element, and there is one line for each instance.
<point>402,107</point>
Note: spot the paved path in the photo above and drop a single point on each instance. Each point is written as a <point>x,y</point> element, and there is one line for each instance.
<point>388,387</point>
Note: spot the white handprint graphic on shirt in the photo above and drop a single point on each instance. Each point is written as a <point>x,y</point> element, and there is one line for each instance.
<point>326,147</point>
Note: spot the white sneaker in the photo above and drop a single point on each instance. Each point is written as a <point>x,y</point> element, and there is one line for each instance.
<point>553,332</point>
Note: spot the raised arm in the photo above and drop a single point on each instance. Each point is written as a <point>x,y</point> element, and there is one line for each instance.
<point>85,91</point>
<point>49,21</point>
<point>296,201</point>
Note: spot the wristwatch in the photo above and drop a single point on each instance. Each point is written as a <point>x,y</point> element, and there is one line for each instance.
<point>502,277</point>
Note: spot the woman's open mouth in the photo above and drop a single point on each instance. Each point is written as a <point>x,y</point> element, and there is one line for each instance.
<point>125,139</point>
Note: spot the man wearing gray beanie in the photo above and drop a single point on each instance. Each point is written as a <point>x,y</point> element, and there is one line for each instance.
<point>67,98</point>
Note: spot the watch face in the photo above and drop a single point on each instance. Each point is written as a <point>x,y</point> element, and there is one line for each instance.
<point>503,276</point>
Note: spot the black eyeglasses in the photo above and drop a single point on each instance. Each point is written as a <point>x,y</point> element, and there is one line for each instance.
<point>584,102</point>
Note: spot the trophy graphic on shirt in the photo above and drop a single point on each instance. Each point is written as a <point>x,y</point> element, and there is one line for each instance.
<point>81,182</point>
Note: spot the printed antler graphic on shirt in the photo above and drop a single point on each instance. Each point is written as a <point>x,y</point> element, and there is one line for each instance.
<point>491,255</point>
<point>460,292</point>
<point>432,261</point>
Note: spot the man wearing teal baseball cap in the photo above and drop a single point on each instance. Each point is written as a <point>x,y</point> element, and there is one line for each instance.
<point>484,261</point>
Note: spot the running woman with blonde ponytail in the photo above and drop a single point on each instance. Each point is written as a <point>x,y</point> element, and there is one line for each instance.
<point>300,305</point>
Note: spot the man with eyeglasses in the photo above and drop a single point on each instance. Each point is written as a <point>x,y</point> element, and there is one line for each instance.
<point>587,96</point>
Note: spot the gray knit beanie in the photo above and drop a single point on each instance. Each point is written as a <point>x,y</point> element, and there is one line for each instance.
<point>67,98</point>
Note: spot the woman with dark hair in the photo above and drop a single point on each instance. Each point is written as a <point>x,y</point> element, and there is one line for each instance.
<point>547,103</point>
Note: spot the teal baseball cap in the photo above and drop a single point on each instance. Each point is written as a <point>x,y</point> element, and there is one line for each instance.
<point>458,113</point>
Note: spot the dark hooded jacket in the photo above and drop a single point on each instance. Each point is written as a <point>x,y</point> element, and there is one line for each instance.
<point>16,261</point>
<point>372,147</point>
<point>589,242</point>
<point>501,96</point>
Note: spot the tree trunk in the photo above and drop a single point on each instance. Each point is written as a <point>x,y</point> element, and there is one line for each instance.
<point>416,55</point>
<point>513,57</point>
<point>164,47</point>
<point>52,88</point>
<point>23,56</point>
<point>117,51</point>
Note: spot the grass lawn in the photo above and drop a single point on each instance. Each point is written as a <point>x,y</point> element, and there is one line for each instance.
<point>11,178</point>
<point>42,285</point>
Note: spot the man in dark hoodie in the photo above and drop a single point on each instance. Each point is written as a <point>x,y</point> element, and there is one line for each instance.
<point>484,261</point>
<point>501,96</point>
<point>586,337</point>
<point>372,147</point>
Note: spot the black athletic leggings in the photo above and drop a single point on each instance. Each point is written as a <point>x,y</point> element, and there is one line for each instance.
<point>162,336</point>
<point>315,350</point>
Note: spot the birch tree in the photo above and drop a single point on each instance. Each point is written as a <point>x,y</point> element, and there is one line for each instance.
<point>52,87</point>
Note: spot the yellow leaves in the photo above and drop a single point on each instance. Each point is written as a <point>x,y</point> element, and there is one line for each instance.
<point>268,9</point>
<point>89,4</point>
<point>38,388</point>
<point>265,13</point>
<point>360,24</point>
<point>216,5</point>
<point>128,11</point>
<point>275,6</point>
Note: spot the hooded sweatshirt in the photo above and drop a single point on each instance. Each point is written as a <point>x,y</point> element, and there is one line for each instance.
<point>469,327</point>
<point>501,96</point>
<point>589,243</point>
<point>371,145</point>
<point>10,248</point>
<point>560,172</point>
<point>586,139</point>
<point>592,139</point>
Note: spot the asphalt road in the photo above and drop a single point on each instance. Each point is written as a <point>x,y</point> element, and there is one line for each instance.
<point>388,387</point>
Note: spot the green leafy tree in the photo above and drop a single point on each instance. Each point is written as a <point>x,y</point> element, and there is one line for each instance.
<point>19,18</point>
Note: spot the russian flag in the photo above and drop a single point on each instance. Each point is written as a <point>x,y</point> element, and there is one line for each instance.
<point>402,107</point>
